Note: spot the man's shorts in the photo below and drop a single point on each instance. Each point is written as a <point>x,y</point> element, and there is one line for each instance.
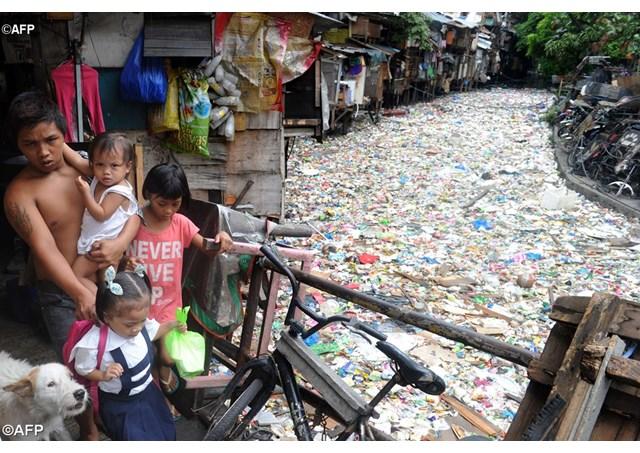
<point>58,312</point>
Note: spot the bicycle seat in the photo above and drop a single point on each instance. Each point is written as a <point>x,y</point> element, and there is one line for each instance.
<point>580,103</point>
<point>412,372</point>
<point>606,104</point>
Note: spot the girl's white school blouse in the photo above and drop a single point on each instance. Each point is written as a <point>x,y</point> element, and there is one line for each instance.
<point>85,353</point>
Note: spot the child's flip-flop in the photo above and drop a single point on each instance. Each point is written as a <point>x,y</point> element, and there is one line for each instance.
<point>176,392</point>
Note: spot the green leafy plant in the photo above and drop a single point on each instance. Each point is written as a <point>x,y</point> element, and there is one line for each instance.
<point>411,26</point>
<point>551,114</point>
<point>558,41</point>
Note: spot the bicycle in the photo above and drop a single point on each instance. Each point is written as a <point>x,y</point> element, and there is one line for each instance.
<point>254,382</point>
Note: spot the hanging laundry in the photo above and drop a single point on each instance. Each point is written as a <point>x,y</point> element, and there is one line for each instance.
<point>64,80</point>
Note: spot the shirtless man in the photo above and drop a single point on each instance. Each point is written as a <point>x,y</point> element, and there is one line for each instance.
<point>45,208</point>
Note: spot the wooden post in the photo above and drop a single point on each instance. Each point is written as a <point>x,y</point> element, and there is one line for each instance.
<point>541,373</point>
<point>469,337</point>
<point>568,384</point>
<point>598,392</point>
<point>599,386</point>
<point>560,87</point>
<point>571,309</point>
<point>139,171</point>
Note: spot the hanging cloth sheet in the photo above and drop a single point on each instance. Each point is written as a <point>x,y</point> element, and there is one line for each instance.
<point>64,81</point>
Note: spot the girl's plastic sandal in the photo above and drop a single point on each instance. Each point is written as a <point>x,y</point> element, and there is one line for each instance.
<point>176,392</point>
<point>172,383</point>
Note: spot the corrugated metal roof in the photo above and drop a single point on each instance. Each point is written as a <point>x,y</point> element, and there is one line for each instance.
<point>386,49</point>
<point>345,49</point>
<point>464,23</point>
<point>439,17</point>
<point>377,47</point>
<point>446,19</point>
<point>328,22</point>
<point>484,43</point>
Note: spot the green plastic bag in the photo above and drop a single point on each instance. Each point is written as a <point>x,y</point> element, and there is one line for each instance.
<point>194,112</point>
<point>186,349</point>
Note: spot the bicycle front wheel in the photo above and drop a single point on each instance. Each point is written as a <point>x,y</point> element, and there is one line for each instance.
<point>225,424</point>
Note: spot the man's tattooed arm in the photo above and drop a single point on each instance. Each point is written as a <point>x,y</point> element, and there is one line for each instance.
<point>19,219</point>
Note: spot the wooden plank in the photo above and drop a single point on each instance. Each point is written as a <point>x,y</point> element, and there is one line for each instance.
<point>240,121</point>
<point>207,382</point>
<point>602,309</point>
<point>157,44</point>
<point>266,196</point>
<point>258,155</point>
<point>301,122</point>
<point>264,120</point>
<point>243,192</point>
<point>217,155</point>
<point>157,26</point>
<point>627,323</point>
<point>203,173</point>
<point>607,427</point>
<point>628,431</point>
<point>569,309</point>
<point>619,402</point>
<point>199,194</point>
<point>318,84</point>
<point>620,369</point>
<point>591,360</point>
<point>543,370</point>
<point>534,398</point>
<point>199,27</point>
<point>206,177</point>
<point>256,151</point>
<point>471,416</point>
<point>178,36</point>
<point>624,370</point>
<point>108,39</point>
<point>190,52</point>
<point>597,393</point>
<point>300,132</point>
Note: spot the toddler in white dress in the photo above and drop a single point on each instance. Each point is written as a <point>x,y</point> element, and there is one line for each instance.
<point>109,200</point>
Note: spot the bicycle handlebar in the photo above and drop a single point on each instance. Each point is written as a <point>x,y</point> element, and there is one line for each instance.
<point>292,231</point>
<point>409,371</point>
<point>367,329</point>
<point>267,252</point>
<point>295,287</point>
<point>321,320</point>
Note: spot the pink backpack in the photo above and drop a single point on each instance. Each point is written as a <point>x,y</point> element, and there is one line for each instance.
<point>78,330</point>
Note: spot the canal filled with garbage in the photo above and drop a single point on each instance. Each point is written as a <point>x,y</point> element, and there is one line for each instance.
<point>452,208</point>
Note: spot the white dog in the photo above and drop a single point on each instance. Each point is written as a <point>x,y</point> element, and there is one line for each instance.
<point>34,401</point>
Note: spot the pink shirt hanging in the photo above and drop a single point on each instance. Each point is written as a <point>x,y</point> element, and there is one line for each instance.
<point>64,81</point>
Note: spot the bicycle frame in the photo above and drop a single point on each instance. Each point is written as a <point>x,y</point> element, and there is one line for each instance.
<point>352,412</point>
<point>347,406</point>
<point>244,352</point>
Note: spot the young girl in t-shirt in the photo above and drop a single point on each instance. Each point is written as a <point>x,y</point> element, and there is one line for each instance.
<point>160,244</point>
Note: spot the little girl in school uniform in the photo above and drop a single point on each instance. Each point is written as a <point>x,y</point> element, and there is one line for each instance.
<point>132,407</point>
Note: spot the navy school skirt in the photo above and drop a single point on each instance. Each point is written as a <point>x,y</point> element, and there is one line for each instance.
<point>144,416</point>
